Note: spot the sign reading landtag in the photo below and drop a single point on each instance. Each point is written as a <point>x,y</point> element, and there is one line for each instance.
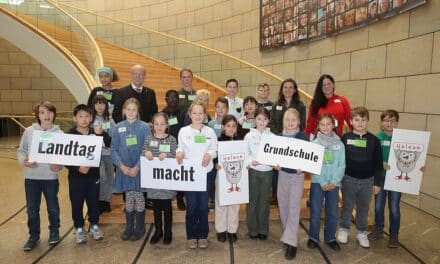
<point>169,175</point>
<point>65,149</point>
<point>408,150</point>
<point>291,153</point>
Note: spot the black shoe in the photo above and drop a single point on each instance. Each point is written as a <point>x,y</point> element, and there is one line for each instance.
<point>253,236</point>
<point>262,236</point>
<point>334,245</point>
<point>181,204</point>
<point>290,252</point>
<point>148,204</point>
<point>107,207</point>
<point>101,207</point>
<point>157,235</point>
<point>312,244</point>
<point>167,238</point>
<point>232,237</point>
<point>221,237</point>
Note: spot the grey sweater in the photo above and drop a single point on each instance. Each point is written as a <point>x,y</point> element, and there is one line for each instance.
<point>43,171</point>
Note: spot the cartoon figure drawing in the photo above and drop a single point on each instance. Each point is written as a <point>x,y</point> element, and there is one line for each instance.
<point>233,173</point>
<point>407,155</point>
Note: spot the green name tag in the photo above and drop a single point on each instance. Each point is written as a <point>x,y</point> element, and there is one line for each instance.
<point>191,97</point>
<point>328,156</point>
<point>108,96</point>
<point>173,121</point>
<point>105,125</point>
<point>236,105</point>
<point>46,137</point>
<point>247,125</point>
<point>199,139</point>
<point>360,143</point>
<point>205,121</point>
<point>131,141</point>
<point>164,148</point>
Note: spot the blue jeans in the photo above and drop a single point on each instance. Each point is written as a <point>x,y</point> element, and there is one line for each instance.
<point>317,196</point>
<point>394,207</point>
<point>197,215</point>
<point>34,189</point>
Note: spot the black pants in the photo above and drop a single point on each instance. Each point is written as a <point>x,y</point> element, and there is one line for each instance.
<point>84,189</point>
<point>159,206</point>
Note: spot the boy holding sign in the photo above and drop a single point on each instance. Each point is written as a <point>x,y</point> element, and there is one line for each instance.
<point>363,175</point>
<point>40,179</point>
<point>84,181</point>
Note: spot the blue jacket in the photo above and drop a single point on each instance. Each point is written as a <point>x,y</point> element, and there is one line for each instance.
<point>129,154</point>
<point>333,167</point>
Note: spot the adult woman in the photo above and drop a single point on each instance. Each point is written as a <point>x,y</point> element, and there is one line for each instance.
<point>288,97</point>
<point>326,101</point>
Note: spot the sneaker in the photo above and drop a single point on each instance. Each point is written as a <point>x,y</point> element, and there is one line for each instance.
<point>221,237</point>
<point>312,244</point>
<point>54,237</point>
<point>343,235</point>
<point>393,242</point>
<point>362,238</point>
<point>203,243</point>
<point>375,235</point>
<point>191,243</point>
<point>80,237</point>
<point>32,241</point>
<point>96,233</point>
<point>334,245</point>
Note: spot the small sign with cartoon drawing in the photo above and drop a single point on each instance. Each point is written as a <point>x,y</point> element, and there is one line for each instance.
<point>232,179</point>
<point>407,156</point>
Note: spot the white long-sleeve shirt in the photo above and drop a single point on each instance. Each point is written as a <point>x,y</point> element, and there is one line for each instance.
<point>195,151</point>
<point>253,139</point>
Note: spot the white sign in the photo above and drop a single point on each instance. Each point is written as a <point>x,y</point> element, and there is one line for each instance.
<point>291,153</point>
<point>232,179</point>
<point>407,155</point>
<point>169,175</point>
<point>66,149</point>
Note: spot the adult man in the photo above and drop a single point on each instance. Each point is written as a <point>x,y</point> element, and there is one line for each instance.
<point>145,96</point>
<point>187,94</point>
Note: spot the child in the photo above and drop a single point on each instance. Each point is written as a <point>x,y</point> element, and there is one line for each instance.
<point>326,185</point>
<point>390,120</point>
<point>202,97</point>
<point>176,118</point>
<point>221,109</point>
<point>161,145</point>
<point>128,137</point>
<point>84,181</point>
<point>106,75</point>
<point>363,175</point>
<point>102,119</point>
<point>290,187</point>
<point>235,103</point>
<point>197,142</point>
<point>40,178</point>
<point>247,121</point>
<point>226,217</point>
<point>263,91</point>
<point>260,178</point>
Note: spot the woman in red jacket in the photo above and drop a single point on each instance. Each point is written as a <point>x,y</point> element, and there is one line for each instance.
<point>326,101</point>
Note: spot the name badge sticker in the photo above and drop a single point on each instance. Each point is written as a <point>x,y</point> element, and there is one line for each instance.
<point>191,97</point>
<point>360,143</point>
<point>173,121</point>
<point>99,92</point>
<point>153,143</point>
<point>247,125</point>
<point>328,156</point>
<point>105,125</point>
<point>131,140</point>
<point>386,143</point>
<point>122,129</point>
<point>108,96</point>
<point>279,108</point>
<point>217,126</point>
<point>164,148</point>
<point>199,139</point>
<point>337,101</point>
<point>46,137</point>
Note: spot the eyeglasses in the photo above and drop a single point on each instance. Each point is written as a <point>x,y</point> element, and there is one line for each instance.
<point>392,121</point>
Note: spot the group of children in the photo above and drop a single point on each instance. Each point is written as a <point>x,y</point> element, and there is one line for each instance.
<point>352,163</point>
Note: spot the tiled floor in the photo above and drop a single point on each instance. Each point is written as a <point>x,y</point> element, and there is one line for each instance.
<point>420,236</point>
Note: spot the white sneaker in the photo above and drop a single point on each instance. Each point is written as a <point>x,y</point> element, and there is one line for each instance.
<point>96,233</point>
<point>362,238</point>
<point>343,235</point>
<point>80,237</point>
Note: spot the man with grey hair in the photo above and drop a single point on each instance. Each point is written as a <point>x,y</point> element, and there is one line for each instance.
<point>146,96</point>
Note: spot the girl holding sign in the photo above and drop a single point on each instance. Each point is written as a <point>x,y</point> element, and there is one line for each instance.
<point>161,145</point>
<point>40,179</point>
<point>102,119</point>
<point>197,142</point>
<point>127,140</point>
<point>290,187</point>
<point>326,185</point>
<point>260,179</point>
<point>226,217</point>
